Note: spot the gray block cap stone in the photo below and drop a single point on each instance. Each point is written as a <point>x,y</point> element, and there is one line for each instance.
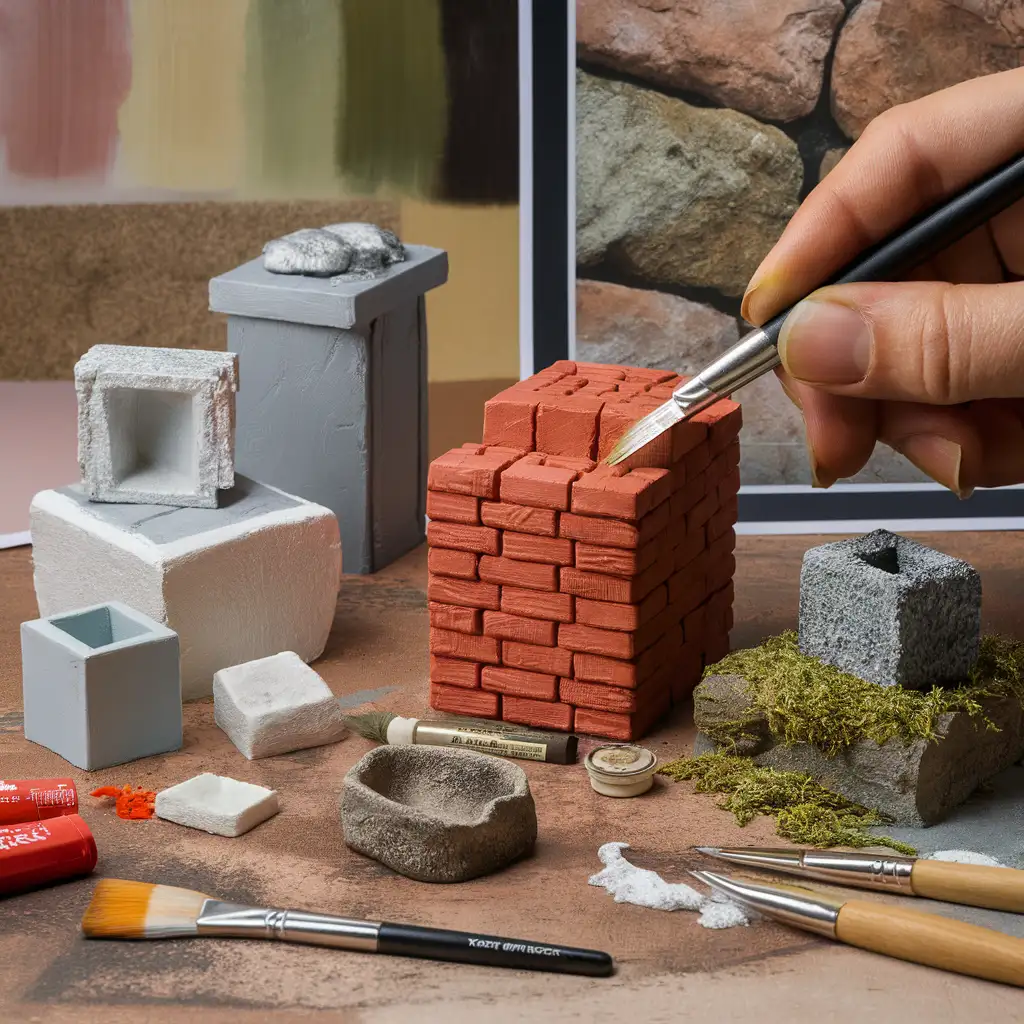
<point>890,610</point>
<point>438,815</point>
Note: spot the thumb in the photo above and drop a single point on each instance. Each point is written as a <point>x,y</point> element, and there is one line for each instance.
<point>915,341</point>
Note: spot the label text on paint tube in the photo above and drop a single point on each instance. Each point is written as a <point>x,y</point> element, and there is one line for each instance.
<point>9,838</point>
<point>486,744</point>
<point>514,947</point>
<point>7,787</point>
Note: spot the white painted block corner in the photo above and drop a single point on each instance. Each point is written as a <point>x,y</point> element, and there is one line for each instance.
<point>217,804</point>
<point>276,705</point>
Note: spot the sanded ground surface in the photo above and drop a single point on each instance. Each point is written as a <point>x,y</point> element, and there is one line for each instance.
<point>670,969</point>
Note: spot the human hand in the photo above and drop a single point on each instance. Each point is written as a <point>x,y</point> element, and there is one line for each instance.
<point>932,367</point>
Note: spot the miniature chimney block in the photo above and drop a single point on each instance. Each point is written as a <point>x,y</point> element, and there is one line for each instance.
<point>334,402</point>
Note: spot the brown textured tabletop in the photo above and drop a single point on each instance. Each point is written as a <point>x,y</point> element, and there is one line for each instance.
<point>670,969</point>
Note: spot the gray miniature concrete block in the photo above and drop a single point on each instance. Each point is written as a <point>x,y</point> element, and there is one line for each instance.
<point>917,783</point>
<point>156,425</point>
<point>101,685</point>
<point>334,402</point>
<point>890,610</point>
<point>275,705</point>
<point>436,814</point>
<point>256,576</point>
<point>216,804</point>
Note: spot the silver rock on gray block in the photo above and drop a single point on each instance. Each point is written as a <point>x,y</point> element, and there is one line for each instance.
<point>373,248</point>
<point>890,610</point>
<point>916,782</point>
<point>311,251</point>
<point>438,815</point>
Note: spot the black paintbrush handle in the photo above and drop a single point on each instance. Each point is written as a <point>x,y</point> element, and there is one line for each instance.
<point>928,234</point>
<point>462,947</point>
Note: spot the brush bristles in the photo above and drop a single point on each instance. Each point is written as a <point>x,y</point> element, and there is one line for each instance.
<point>646,430</point>
<point>138,910</point>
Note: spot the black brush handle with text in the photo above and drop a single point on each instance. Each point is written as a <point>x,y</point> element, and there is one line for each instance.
<point>490,951</point>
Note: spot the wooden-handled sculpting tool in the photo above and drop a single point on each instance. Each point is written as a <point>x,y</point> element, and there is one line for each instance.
<point>973,885</point>
<point>893,931</point>
<point>757,352</point>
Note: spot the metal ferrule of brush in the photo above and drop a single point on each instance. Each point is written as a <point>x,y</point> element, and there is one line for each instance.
<point>799,907</point>
<point>234,920</point>
<point>751,357</point>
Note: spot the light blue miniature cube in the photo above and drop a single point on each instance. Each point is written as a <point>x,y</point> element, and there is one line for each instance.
<point>101,685</point>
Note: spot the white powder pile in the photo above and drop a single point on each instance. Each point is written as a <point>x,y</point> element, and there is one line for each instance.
<point>966,857</point>
<point>629,884</point>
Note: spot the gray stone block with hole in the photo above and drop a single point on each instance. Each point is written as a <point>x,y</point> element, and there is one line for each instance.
<point>890,610</point>
<point>101,685</point>
<point>333,406</point>
<point>156,425</point>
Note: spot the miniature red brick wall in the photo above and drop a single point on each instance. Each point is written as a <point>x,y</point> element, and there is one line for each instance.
<point>568,594</point>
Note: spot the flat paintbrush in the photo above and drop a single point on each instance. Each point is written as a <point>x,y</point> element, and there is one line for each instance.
<point>138,910</point>
<point>892,931</point>
<point>757,352</point>
<point>973,885</point>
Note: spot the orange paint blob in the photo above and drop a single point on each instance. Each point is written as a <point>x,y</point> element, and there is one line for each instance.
<point>133,804</point>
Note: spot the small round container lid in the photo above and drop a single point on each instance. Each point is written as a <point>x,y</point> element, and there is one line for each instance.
<point>620,762</point>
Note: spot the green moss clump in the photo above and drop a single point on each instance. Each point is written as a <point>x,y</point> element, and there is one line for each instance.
<point>805,811</point>
<point>806,701</point>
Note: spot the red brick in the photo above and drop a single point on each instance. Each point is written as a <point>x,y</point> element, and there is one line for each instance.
<point>542,522</point>
<point>527,548</point>
<point>694,624</point>
<point>599,587</point>
<point>578,466</point>
<point>615,533</point>
<point>568,425</point>
<point>594,668</point>
<point>623,561</point>
<point>535,604</point>
<point>648,376</point>
<point>687,588</point>
<point>723,420</point>
<point>596,388</point>
<point>538,713</point>
<point>618,417</point>
<point>529,483</point>
<point>454,617</point>
<point>722,546</point>
<point>691,494</point>
<point>475,703</point>
<point>460,645</point>
<point>549,660</point>
<point>597,696</point>
<point>527,575</point>
<point>615,615</point>
<point>453,508</point>
<point>696,461</point>
<point>611,370</point>
<point>454,672</point>
<point>605,492</point>
<point>724,519</point>
<point>446,562</point>
<point>624,727</point>
<point>463,592</point>
<point>689,669</point>
<point>690,547</point>
<point>716,648</point>
<point>721,572</point>
<point>719,603</point>
<point>519,628</point>
<point>588,639</point>
<point>470,471</point>
<point>729,486</point>
<point>517,683</point>
<point>510,419</point>
<point>481,539</point>
<point>725,467</point>
<point>701,512</point>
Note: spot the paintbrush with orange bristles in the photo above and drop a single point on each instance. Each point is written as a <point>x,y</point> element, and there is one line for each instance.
<point>138,910</point>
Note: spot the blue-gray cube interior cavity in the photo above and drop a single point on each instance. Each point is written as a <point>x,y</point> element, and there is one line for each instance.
<point>890,611</point>
<point>101,685</point>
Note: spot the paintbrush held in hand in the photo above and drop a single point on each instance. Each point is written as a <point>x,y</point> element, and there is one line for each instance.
<point>138,910</point>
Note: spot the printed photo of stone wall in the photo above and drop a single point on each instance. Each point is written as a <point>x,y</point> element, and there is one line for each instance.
<point>700,126</point>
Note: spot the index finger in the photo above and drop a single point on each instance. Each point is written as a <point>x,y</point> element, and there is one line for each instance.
<point>908,159</point>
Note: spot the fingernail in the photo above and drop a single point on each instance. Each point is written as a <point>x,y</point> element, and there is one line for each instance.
<point>940,458</point>
<point>792,395</point>
<point>819,478</point>
<point>825,343</point>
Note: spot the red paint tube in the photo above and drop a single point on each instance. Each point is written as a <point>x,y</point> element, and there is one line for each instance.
<point>36,799</point>
<point>36,853</point>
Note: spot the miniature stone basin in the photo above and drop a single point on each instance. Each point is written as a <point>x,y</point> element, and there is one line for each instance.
<point>438,815</point>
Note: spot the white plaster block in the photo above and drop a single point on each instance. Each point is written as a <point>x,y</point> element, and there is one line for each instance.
<point>276,705</point>
<point>216,804</point>
<point>156,425</point>
<point>257,576</point>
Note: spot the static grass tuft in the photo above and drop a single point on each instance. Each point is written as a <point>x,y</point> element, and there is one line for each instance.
<point>807,701</point>
<point>804,811</point>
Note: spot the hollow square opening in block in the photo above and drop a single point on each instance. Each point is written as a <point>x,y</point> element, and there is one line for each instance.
<point>99,627</point>
<point>153,440</point>
<point>887,559</point>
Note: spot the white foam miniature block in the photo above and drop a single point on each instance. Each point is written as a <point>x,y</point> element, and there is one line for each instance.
<point>254,577</point>
<point>275,705</point>
<point>217,804</point>
<point>156,425</point>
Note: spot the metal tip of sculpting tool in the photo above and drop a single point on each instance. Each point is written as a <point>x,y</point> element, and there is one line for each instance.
<point>711,851</point>
<point>769,859</point>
